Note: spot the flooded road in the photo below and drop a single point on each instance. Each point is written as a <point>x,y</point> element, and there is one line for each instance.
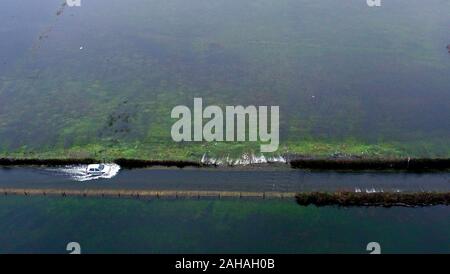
<point>279,179</point>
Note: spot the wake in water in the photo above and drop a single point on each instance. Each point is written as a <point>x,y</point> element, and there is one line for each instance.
<point>246,159</point>
<point>78,172</point>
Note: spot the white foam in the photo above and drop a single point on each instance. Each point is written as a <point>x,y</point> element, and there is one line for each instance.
<point>246,159</point>
<point>373,190</point>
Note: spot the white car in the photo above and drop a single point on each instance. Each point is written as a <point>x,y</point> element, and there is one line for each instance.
<point>97,169</point>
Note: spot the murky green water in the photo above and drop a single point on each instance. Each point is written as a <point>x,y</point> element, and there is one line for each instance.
<point>42,224</point>
<point>100,80</point>
<point>106,75</point>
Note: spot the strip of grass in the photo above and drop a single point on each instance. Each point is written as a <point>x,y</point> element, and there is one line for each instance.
<point>194,151</point>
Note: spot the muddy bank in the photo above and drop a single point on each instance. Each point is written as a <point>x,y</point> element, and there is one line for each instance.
<point>418,165</point>
<point>373,199</point>
<point>124,163</point>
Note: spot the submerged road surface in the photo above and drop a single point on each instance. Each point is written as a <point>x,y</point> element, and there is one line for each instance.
<point>211,179</point>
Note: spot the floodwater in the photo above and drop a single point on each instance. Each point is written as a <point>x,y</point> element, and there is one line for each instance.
<point>257,179</point>
<point>110,71</point>
<point>46,224</point>
<point>108,225</point>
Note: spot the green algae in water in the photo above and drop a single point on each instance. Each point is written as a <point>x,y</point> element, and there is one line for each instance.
<point>43,224</point>
<point>348,78</point>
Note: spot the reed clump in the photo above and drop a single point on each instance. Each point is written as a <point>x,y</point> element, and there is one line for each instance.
<point>384,199</point>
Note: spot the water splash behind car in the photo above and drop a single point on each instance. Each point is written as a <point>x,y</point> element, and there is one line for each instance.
<point>90,172</point>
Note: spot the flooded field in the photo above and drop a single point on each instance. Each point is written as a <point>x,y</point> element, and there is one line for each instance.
<point>100,80</point>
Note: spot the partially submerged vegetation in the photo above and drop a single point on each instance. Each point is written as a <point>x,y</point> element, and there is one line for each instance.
<point>167,150</point>
<point>385,199</point>
<point>119,104</point>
